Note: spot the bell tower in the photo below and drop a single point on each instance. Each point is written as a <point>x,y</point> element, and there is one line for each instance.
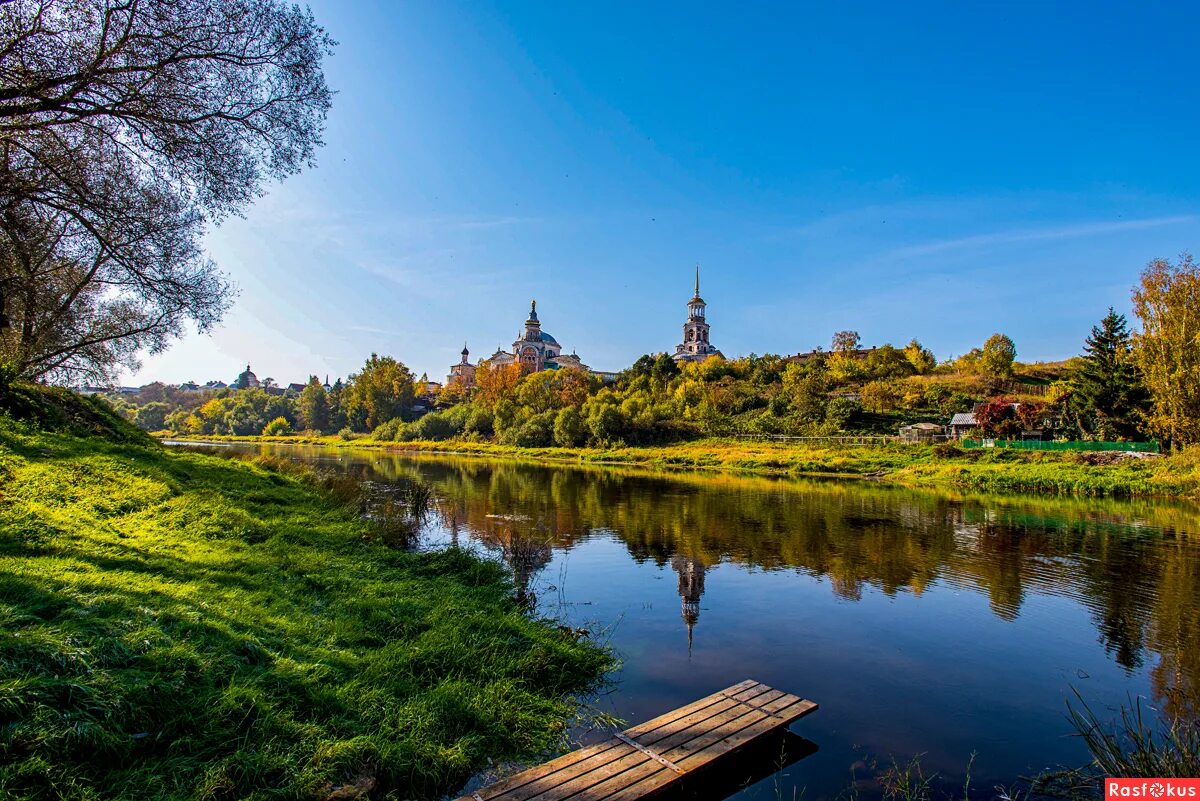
<point>695,346</point>
<point>695,330</point>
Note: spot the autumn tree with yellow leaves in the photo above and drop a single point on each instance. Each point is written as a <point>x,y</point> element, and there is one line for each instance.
<point>1167,349</point>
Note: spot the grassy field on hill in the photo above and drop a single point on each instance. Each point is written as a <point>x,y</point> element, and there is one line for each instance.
<point>177,625</point>
<point>979,470</point>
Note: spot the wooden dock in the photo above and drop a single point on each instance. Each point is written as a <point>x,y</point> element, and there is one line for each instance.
<point>656,755</point>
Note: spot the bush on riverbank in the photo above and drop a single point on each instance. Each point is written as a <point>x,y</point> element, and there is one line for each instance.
<point>176,625</point>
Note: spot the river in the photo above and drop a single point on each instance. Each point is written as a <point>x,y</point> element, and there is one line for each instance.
<point>922,623</point>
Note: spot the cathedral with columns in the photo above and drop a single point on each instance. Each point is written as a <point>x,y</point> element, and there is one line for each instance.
<point>536,350</point>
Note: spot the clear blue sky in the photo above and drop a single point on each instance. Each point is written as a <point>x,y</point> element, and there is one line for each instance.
<point>905,170</point>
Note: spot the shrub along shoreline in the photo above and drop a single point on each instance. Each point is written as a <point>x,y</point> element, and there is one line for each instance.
<point>180,625</point>
<point>1175,476</point>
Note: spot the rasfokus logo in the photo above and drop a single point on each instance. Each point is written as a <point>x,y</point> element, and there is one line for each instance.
<point>1152,789</point>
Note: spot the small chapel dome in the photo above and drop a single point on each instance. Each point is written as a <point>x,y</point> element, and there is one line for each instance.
<point>247,379</point>
<point>548,338</point>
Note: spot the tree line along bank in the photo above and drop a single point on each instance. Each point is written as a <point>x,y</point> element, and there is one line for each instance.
<point>1123,386</point>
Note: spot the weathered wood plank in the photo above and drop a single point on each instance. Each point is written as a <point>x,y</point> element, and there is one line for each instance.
<point>536,782</point>
<point>611,761</point>
<point>652,755</point>
<point>581,776</point>
<point>753,725</point>
<point>650,777</point>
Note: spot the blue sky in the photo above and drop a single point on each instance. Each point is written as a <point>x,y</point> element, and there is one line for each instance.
<point>905,170</point>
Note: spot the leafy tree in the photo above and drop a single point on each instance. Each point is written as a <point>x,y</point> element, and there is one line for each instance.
<point>1167,301</point>
<point>1031,415</point>
<point>840,412</point>
<point>846,341</point>
<point>880,396</point>
<point>888,362</point>
<point>997,418</point>
<point>537,431</point>
<point>606,424</point>
<point>844,367</point>
<point>643,366</point>
<point>452,395</point>
<point>181,421</point>
<point>997,357</point>
<point>126,128</point>
<point>279,427</point>
<point>383,389</point>
<point>970,361</point>
<point>492,384</point>
<point>921,358</point>
<point>479,422</point>
<point>437,426</point>
<point>152,416</point>
<point>389,431</point>
<point>767,370</point>
<point>665,368</point>
<point>337,406</point>
<point>806,390</point>
<point>312,408</point>
<point>1107,393</point>
<point>553,389</point>
<point>568,428</point>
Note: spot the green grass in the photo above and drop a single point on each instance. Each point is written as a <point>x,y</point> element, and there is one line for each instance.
<point>978,470</point>
<point>176,625</point>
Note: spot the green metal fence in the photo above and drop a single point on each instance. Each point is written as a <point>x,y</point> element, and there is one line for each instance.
<point>1069,445</point>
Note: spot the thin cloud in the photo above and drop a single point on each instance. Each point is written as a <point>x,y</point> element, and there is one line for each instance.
<point>1039,234</point>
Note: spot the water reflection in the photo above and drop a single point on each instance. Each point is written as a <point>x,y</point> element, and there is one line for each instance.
<point>691,586</point>
<point>922,622</point>
<point>1136,568</point>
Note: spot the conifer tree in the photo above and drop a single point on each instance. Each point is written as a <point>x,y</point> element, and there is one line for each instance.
<point>1107,392</point>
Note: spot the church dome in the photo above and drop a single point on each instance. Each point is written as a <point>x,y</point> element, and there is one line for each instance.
<point>247,379</point>
<point>548,338</point>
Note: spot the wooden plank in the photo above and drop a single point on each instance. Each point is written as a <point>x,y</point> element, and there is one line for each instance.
<point>650,753</point>
<point>714,749</point>
<point>650,756</point>
<point>499,788</point>
<point>649,734</point>
<point>692,755</point>
<point>582,776</point>
<point>654,730</point>
<point>748,688</point>
<point>651,777</point>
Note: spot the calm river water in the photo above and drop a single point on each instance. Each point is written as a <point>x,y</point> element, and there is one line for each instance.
<point>922,623</point>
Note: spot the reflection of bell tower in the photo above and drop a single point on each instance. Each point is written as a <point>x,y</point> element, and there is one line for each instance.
<point>691,587</point>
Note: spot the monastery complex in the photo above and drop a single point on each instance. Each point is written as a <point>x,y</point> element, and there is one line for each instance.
<point>536,350</point>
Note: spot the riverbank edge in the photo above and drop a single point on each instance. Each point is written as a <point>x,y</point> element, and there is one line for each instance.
<point>1175,476</point>
<point>152,597</point>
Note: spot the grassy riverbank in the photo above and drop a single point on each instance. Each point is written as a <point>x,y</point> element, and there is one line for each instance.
<point>175,625</point>
<point>979,470</point>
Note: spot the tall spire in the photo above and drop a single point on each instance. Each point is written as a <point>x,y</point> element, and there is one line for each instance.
<point>697,279</point>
